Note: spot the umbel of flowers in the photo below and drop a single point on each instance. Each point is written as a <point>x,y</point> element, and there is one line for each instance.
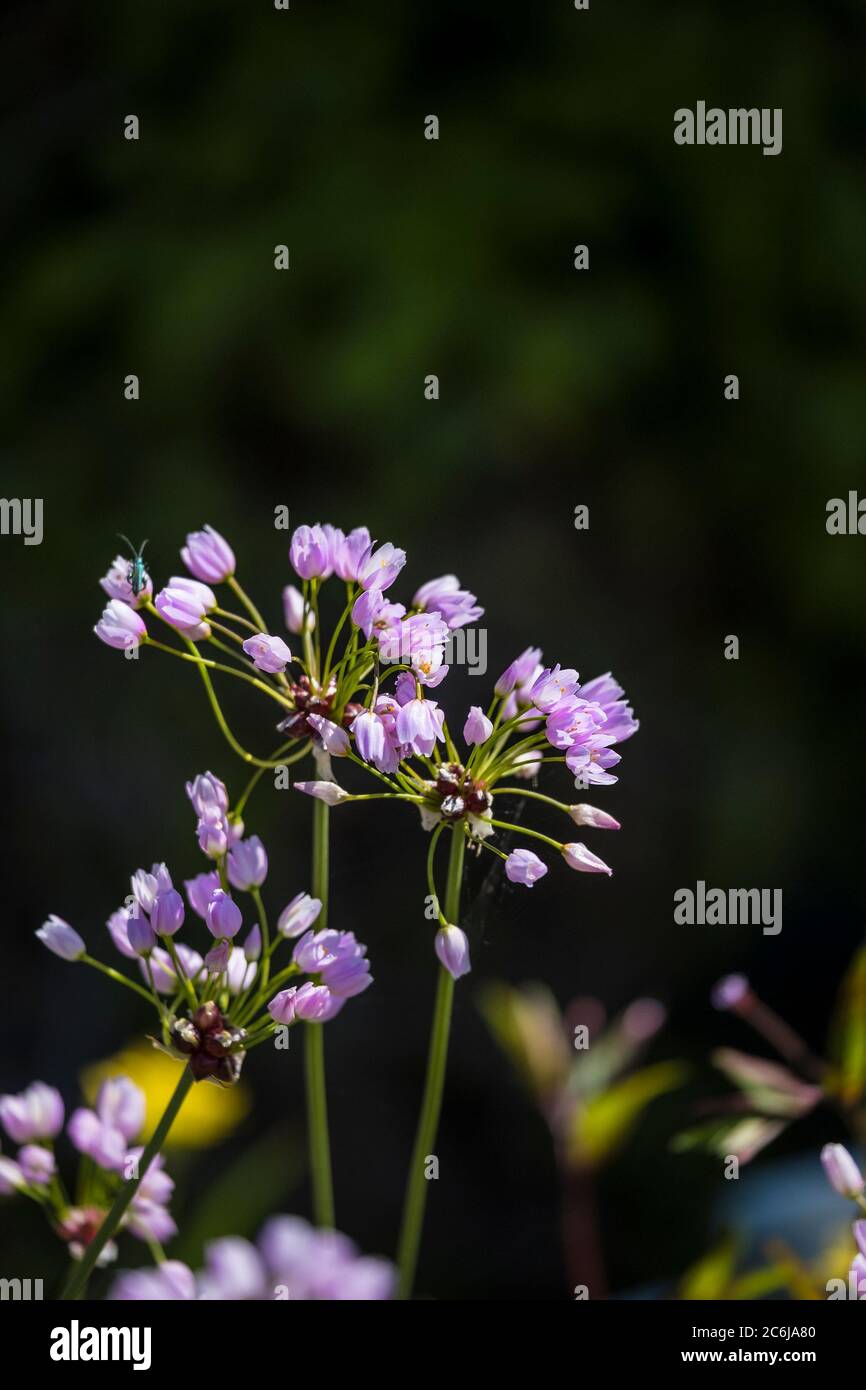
<point>214,1006</point>
<point>105,1136</point>
<point>363,688</point>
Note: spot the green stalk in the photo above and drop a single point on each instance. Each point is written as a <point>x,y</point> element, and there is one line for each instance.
<point>76,1285</point>
<point>314,1047</point>
<point>434,1085</point>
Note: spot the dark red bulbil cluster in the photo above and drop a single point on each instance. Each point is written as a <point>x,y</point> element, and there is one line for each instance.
<point>460,795</point>
<point>210,1042</point>
<point>309,700</point>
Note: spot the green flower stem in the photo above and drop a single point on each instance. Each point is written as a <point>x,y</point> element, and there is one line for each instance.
<point>236,618</point>
<point>168,942</point>
<point>266,939</point>
<point>534,796</point>
<point>524,830</point>
<point>202,662</point>
<point>226,631</point>
<point>275,760</point>
<point>76,1285</point>
<point>221,721</point>
<point>431,882</point>
<point>332,645</point>
<point>116,976</point>
<point>314,1046</point>
<point>248,604</point>
<point>431,1105</point>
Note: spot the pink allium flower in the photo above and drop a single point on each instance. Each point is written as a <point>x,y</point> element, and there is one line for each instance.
<point>161,966</point>
<point>61,939</point>
<point>522,866</point>
<point>590,758</point>
<point>207,792</point>
<point>590,815</point>
<point>120,626</point>
<point>730,991</point>
<point>208,556</point>
<point>248,864</point>
<point>142,937</point>
<point>478,727</point>
<point>333,739</point>
<point>379,568</point>
<point>444,596</point>
<point>293,610</point>
<point>252,947</point>
<point>298,915</point>
<point>224,917</point>
<point>218,958</point>
<point>368,730</point>
<point>167,913</point>
<point>268,653</point>
<point>184,604</point>
<point>309,553</point>
<point>101,1142</point>
<point>524,668</point>
<point>577,856</point>
<point>842,1172</point>
<point>200,890</point>
<point>120,1104</point>
<point>12,1178</point>
<point>307,1001</point>
<point>419,725</point>
<point>37,1164</point>
<point>118,924</point>
<point>328,792</point>
<point>552,686</point>
<point>349,553</point>
<point>621,723</point>
<point>146,886</point>
<point>452,949</point>
<point>36,1113</point>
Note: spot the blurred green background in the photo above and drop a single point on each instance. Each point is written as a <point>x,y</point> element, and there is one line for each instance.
<point>558,388</point>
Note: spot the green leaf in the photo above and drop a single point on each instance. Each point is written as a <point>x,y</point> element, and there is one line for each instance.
<point>848,1032</point>
<point>711,1275</point>
<point>603,1123</point>
<point>742,1137</point>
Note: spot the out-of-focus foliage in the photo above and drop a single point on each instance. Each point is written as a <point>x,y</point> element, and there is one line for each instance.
<point>588,1091</point>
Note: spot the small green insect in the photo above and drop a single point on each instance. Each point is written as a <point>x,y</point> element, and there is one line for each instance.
<point>136,576</point>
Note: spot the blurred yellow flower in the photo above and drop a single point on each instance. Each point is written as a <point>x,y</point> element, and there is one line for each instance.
<point>208,1114</point>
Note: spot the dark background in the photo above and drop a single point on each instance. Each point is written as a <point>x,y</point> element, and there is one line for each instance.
<point>305,388</point>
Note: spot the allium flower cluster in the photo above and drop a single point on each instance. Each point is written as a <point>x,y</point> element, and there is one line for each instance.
<point>291,1261</point>
<point>214,1007</point>
<point>105,1136</point>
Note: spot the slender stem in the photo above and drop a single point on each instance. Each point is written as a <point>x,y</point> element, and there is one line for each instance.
<point>525,830</point>
<point>117,977</point>
<point>236,618</point>
<point>266,939</point>
<point>168,942</point>
<point>434,1085</point>
<point>221,721</point>
<point>77,1282</point>
<point>247,603</point>
<point>314,1047</point>
<point>203,662</point>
